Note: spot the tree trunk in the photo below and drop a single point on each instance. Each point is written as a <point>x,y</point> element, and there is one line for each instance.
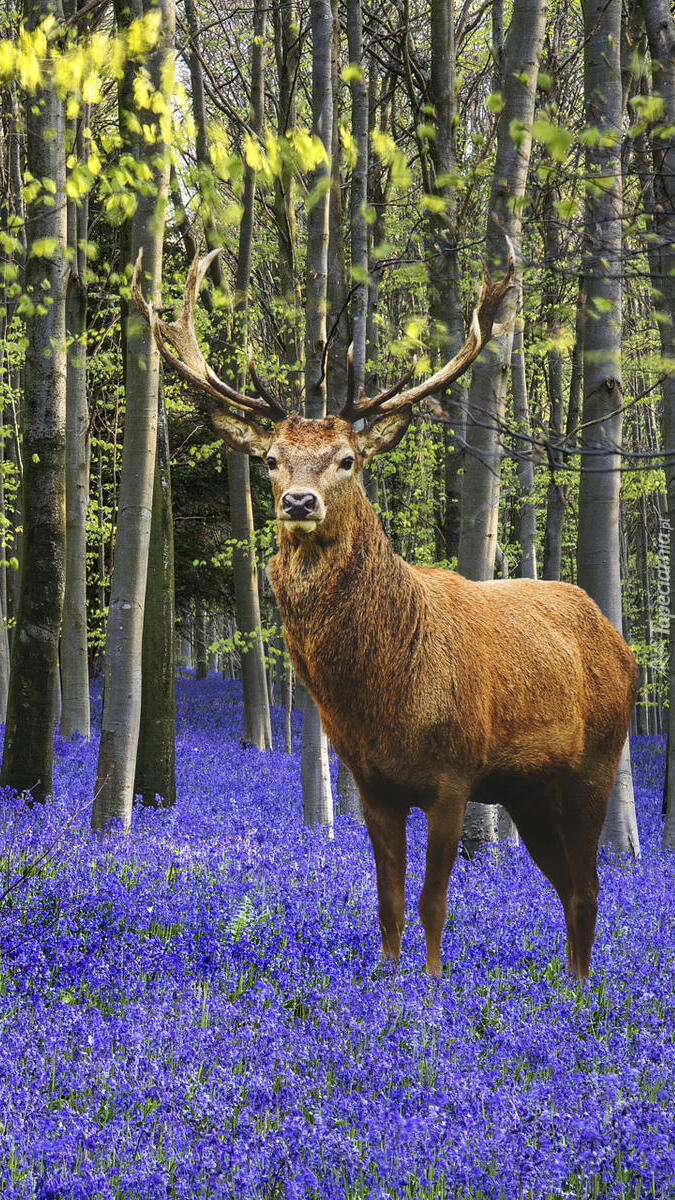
<point>124,636</point>
<point>257,724</point>
<point>337,291</point>
<point>556,496</point>
<point>444,280</point>
<point>490,373</point>
<point>317,798</point>
<point>359,194</point>
<point>487,394</point>
<point>156,753</point>
<point>288,705</point>
<point>660,26</point>
<point>28,747</point>
<point>4,638</point>
<point>206,187</point>
<point>287,49</point>
<point>598,550</point>
<point>74,649</point>
<point>318,215</point>
<point>527,512</point>
<point>201,656</point>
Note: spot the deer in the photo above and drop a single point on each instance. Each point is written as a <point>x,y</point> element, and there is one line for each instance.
<point>434,689</point>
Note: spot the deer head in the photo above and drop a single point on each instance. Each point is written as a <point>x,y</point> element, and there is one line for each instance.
<point>313,464</point>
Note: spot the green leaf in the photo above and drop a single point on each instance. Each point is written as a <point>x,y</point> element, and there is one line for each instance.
<point>352,73</point>
<point>44,247</point>
<point>495,102</point>
<point>434,204</point>
<point>556,139</point>
<point>517,131</point>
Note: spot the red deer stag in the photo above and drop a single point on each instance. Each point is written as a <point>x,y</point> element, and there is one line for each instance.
<point>434,689</point>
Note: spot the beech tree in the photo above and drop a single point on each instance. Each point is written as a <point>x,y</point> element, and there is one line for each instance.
<point>28,747</point>
<point>74,650</point>
<point>317,799</point>
<point>487,392</point>
<point>120,722</point>
<point>598,544</point>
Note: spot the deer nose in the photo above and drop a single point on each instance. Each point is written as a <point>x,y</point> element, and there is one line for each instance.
<point>299,505</point>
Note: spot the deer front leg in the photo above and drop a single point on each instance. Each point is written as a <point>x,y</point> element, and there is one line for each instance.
<point>444,820</point>
<point>386,828</point>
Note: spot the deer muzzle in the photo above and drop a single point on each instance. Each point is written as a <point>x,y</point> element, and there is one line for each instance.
<point>301,509</point>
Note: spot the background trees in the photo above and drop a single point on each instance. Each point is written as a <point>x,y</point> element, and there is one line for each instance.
<point>383,142</point>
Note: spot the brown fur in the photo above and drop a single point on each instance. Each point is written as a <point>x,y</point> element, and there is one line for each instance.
<point>437,690</point>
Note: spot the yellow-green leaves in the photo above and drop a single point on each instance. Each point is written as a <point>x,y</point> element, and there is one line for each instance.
<point>352,73</point>
<point>556,139</point>
<point>388,152</point>
<point>253,154</point>
<point>75,70</point>
<point>45,247</point>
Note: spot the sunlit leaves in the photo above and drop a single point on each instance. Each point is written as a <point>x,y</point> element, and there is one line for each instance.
<point>556,139</point>
<point>45,247</point>
<point>393,157</point>
<point>78,69</point>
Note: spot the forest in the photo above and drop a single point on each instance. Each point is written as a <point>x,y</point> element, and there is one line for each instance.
<point>217,217</point>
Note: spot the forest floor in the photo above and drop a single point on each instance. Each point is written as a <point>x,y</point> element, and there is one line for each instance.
<point>197,1010</point>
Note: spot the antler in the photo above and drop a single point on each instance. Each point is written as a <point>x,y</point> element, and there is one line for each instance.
<point>191,364</point>
<point>482,330</point>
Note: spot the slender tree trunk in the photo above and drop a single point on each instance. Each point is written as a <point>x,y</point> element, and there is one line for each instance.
<point>348,800</point>
<point>120,724</point>
<point>206,183</point>
<point>337,290</point>
<point>4,638</point>
<point>257,724</point>
<point>156,753</point>
<point>445,294</point>
<point>74,649</point>
<point>490,373</point>
<point>28,747</point>
<point>527,512</point>
<point>201,657</point>
<point>660,25</point>
<point>287,49</point>
<point>556,496</point>
<point>288,705</point>
<point>16,211</point>
<point>318,215</point>
<point>317,799</point>
<point>487,394</point>
<point>359,193</point>
<point>598,551</point>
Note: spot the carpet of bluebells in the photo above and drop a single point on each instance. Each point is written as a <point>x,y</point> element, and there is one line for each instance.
<point>198,1011</point>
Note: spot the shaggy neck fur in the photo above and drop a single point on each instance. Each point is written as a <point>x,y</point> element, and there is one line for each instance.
<point>342,594</point>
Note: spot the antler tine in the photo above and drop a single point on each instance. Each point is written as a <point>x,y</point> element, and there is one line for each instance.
<point>482,330</point>
<point>355,410</point>
<point>191,364</point>
<point>267,396</point>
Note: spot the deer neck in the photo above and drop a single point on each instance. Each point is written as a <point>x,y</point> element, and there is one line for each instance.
<point>338,597</point>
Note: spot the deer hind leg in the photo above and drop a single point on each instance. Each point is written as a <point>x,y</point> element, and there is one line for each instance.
<point>444,820</point>
<point>584,806</point>
<point>536,814</point>
<point>386,829</point>
<point>560,822</point>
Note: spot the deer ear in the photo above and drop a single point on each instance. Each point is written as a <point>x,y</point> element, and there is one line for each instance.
<point>384,433</point>
<point>244,435</point>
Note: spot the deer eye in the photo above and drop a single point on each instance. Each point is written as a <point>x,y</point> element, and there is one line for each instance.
<point>271,462</point>
<point>347,463</point>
